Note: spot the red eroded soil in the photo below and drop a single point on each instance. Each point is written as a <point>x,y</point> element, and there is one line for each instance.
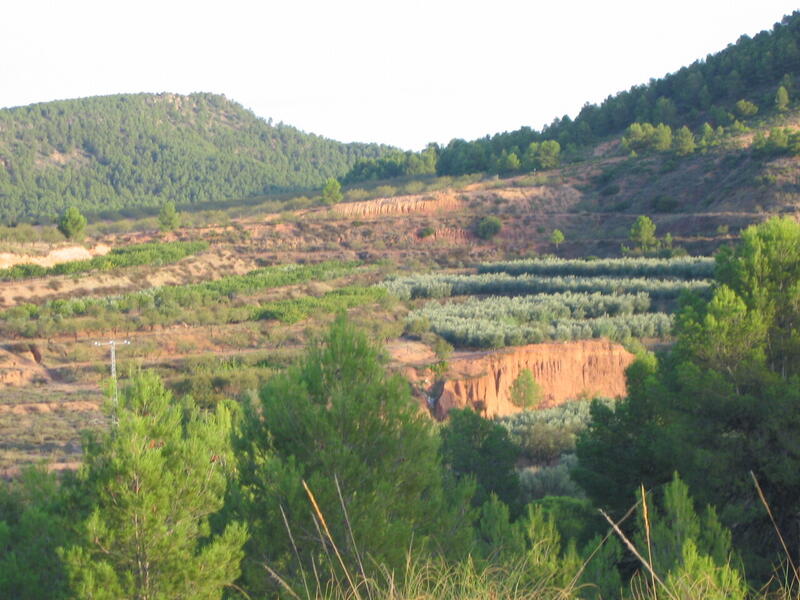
<point>563,370</point>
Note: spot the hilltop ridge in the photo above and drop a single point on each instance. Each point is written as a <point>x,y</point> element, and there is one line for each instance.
<point>135,150</point>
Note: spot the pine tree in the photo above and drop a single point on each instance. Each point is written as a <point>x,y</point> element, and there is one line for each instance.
<point>338,422</point>
<point>662,138</point>
<point>525,392</point>
<point>692,553</point>
<point>72,224</point>
<point>35,519</point>
<point>477,447</point>
<point>488,227</point>
<point>643,233</point>
<point>683,143</point>
<point>721,405</point>
<point>168,218</point>
<point>746,109</point>
<point>156,478</point>
<point>707,137</point>
<point>782,99</point>
<point>332,192</point>
<point>549,154</point>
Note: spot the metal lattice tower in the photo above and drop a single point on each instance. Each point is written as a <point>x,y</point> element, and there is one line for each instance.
<point>113,346</point>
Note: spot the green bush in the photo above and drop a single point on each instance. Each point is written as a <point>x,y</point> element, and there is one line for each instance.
<point>294,310</point>
<point>525,392</point>
<point>488,227</point>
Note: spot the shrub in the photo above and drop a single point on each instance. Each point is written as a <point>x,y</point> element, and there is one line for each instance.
<point>537,483</point>
<point>488,227</point>
<point>525,392</point>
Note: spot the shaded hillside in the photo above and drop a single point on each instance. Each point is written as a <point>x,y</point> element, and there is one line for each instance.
<point>128,151</point>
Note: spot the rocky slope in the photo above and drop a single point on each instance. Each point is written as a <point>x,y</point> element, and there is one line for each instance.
<point>564,371</point>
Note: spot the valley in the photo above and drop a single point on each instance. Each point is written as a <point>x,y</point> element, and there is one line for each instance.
<point>385,236</point>
<point>238,360</point>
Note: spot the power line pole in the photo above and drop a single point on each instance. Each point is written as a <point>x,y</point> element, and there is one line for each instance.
<point>113,345</point>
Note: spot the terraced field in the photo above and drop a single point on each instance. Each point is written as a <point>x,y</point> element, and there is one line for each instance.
<point>529,301</point>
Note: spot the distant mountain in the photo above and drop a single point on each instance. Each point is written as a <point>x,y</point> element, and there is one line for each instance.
<point>135,150</point>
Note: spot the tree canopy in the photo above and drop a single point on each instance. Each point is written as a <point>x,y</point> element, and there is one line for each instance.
<point>72,224</point>
<point>142,150</point>
<point>168,217</point>
<point>352,433</point>
<point>722,404</point>
<point>156,478</point>
<point>332,192</point>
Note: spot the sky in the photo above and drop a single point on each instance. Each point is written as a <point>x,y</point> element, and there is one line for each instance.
<point>404,73</point>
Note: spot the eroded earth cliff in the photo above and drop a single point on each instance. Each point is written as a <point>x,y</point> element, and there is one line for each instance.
<point>563,370</point>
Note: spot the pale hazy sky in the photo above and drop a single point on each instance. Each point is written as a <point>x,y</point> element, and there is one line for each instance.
<point>397,72</point>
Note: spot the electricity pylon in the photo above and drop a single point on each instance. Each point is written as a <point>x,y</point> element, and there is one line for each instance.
<point>113,345</point>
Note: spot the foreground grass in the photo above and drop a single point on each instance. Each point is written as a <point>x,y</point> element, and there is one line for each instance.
<point>435,579</point>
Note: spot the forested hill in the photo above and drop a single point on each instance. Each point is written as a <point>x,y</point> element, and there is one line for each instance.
<point>125,151</point>
<point>724,87</point>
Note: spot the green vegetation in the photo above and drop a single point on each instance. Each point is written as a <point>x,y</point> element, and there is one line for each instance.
<point>548,434</point>
<point>709,90</point>
<point>153,253</point>
<point>155,481</point>
<point>442,286</point>
<point>536,300</point>
<point>72,224</point>
<point>326,479</point>
<point>644,137</point>
<point>544,155</point>
<point>292,311</point>
<point>746,109</point>
<point>686,267</point>
<point>364,451</point>
<point>525,392</point>
<point>34,522</point>
<point>717,407</point>
<point>782,99</point>
<point>211,302</point>
<point>393,164</point>
<point>474,446</point>
<point>684,142</point>
<point>496,322</point>
<point>338,484</point>
<point>557,237</point>
<point>168,217</point>
<point>132,151</point>
<point>488,227</point>
<point>643,234</point>
<point>332,192</point>
<point>487,333</point>
<point>779,142</point>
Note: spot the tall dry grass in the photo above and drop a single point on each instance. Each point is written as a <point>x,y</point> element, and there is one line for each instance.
<point>434,578</point>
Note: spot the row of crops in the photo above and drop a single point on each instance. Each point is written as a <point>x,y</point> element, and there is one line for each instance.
<point>293,310</point>
<point>211,301</point>
<point>503,284</point>
<point>522,302</point>
<point>683,267</point>
<point>152,253</point>
<point>496,322</point>
<point>484,333</point>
